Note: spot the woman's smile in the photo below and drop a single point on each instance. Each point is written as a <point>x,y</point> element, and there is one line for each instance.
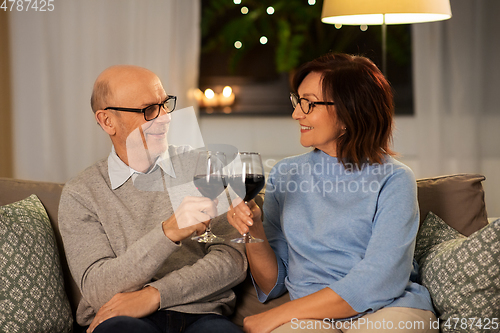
<point>305,129</point>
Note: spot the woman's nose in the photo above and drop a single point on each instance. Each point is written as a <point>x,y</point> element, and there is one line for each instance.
<point>297,112</point>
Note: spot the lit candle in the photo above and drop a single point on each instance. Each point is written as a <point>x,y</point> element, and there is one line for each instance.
<point>209,98</point>
<point>227,96</point>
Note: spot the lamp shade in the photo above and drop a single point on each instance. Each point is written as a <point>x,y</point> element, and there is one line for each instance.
<point>371,12</point>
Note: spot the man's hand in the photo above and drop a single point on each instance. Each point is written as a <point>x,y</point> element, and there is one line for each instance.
<point>193,214</point>
<point>135,304</point>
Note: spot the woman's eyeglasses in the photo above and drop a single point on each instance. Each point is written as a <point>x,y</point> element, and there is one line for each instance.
<point>305,105</point>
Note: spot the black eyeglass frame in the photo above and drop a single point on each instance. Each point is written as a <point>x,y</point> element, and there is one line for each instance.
<point>143,111</point>
<point>296,100</point>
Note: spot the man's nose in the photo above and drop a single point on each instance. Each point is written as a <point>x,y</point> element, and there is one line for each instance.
<point>164,117</point>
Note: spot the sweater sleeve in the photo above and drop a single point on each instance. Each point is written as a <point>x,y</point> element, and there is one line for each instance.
<point>384,272</point>
<point>222,268</point>
<point>98,272</point>
<point>276,238</point>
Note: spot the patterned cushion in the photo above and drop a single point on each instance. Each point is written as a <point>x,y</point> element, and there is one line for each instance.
<point>32,297</point>
<point>461,273</point>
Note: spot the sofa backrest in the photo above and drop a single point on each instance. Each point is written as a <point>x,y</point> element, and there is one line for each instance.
<point>458,199</point>
<point>12,190</point>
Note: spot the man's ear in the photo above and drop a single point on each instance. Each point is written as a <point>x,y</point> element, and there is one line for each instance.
<point>106,120</point>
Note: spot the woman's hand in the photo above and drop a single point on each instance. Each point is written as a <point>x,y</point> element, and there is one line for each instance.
<point>245,218</point>
<point>263,322</point>
<point>324,303</point>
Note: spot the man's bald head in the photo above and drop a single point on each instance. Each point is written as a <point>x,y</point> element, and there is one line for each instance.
<point>136,88</point>
<point>110,79</point>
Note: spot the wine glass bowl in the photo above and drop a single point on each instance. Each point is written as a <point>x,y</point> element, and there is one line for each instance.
<point>246,180</point>
<point>247,186</point>
<point>210,180</point>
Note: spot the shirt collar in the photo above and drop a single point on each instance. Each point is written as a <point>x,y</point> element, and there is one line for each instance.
<point>119,172</point>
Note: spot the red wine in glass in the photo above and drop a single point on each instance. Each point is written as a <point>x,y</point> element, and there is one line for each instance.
<point>211,185</point>
<point>209,178</point>
<point>247,179</point>
<point>249,186</point>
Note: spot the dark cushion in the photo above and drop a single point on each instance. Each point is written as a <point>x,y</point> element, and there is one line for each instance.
<point>457,199</point>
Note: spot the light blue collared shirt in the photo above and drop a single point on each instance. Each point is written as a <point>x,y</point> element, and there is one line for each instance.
<point>119,172</point>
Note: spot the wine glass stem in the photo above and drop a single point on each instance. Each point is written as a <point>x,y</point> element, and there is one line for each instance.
<point>246,235</point>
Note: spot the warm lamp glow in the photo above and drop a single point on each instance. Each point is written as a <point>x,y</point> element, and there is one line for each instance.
<point>383,12</point>
<point>370,12</point>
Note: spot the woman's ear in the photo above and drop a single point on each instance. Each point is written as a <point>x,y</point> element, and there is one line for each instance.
<point>106,120</point>
<point>343,130</point>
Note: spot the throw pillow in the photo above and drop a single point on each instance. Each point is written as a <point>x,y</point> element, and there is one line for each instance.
<point>32,296</point>
<point>457,199</point>
<point>462,274</point>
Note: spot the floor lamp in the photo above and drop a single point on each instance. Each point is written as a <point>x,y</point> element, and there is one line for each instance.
<point>384,12</point>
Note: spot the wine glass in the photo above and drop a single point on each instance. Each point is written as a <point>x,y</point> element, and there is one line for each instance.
<point>246,180</point>
<point>209,178</point>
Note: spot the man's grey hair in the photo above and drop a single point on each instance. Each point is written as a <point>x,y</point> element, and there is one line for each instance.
<point>100,95</point>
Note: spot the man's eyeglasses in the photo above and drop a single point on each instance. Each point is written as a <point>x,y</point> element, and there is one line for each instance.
<point>152,111</point>
<point>305,105</point>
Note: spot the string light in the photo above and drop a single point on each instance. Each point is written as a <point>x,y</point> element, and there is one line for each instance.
<point>238,44</point>
<point>237,2</point>
<point>244,10</point>
<point>311,2</point>
<point>263,40</point>
<point>270,10</point>
<point>363,27</point>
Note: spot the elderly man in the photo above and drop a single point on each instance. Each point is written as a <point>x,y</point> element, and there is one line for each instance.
<point>128,250</point>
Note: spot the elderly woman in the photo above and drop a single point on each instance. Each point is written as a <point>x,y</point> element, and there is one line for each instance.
<point>339,222</point>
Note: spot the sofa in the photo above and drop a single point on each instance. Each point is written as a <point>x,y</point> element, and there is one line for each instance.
<point>452,213</point>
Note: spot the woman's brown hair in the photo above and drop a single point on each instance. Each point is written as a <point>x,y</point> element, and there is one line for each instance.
<point>363,103</point>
